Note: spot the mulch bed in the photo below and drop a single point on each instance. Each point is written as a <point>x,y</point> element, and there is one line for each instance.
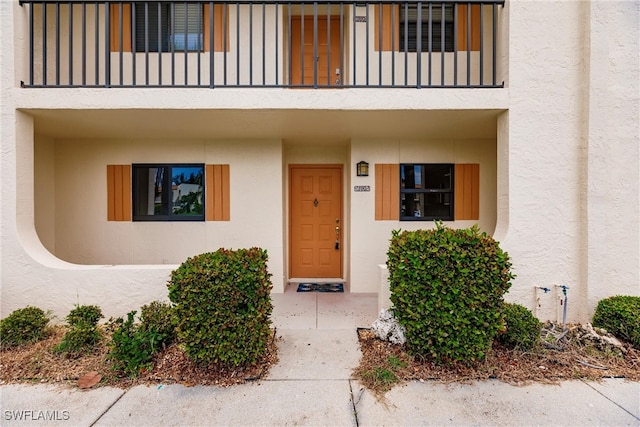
<point>511,366</point>
<point>39,363</point>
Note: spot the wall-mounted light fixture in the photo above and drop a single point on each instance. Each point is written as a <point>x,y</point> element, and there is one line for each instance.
<point>362,168</point>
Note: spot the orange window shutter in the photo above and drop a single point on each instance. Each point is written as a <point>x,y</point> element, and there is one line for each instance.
<point>467,191</point>
<point>120,15</point>
<point>220,24</point>
<point>217,204</point>
<point>118,192</point>
<point>387,192</point>
<point>387,27</point>
<point>468,27</point>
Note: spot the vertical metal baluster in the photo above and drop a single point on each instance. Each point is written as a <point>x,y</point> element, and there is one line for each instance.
<point>212,47</point>
<point>146,41</point>
<point>302,42</point>
<point>70,44</point>
<point>186,43</point>
<point>225,32</point>
<point>121,44</point>
<point>481,44</point>
<point>251,44</point>
<point>380,47</point>
<point>44,44</point>
<point>393,44</point>
<point>316,53</point>
<point>160,47</point>
<point>494,53</point>
<point>277,13</point>
<point>172,45</point>
<point>455,45</point>
<point>133,43</point>
<point>84,44</point>
<point>329,73</point>
<point>406,42</point>
<point>355,43</point>
<point>443,48</point>
<point>419,46</point>
<point>237,43</point>
<point>264,44</point>
<point>107,49</point>
<point>342,82</point>
<point>289,43</point>
<point>468,44</point>
<point>31,44</point>
<point>199,43</point>
<point>366,80</point>
<point>97,43</point>
<point>57,44</point>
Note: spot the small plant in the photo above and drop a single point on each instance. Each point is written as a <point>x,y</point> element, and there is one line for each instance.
<point>158,318</point>
<point>83,333</point>
<point>447,289</point>
<point>620,315</point>
<point>223,305</point>
<point>522,328</point>
<point>381,378</point>
<point>23,326</point>
<point>132,348</point>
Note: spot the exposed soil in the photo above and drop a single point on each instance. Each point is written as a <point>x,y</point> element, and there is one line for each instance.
<point>39,363</point>
<point>384,365</point>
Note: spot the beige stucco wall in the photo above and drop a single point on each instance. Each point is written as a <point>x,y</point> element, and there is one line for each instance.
<point>566,156</point>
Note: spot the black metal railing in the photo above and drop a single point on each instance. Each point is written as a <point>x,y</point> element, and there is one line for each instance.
<point>306,44</point>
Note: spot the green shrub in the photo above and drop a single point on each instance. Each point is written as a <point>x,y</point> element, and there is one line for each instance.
<point>132,348</point>
<point>447,289</point>
<point>84,315</point>
<point>83,333</point>
<point>620,315</point>
<point>23,326</point>
<point>223,306</point>
<point>522,328</point>
<point>158,317</point>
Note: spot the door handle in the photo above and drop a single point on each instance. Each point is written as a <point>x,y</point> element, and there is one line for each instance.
<point>337,246</point>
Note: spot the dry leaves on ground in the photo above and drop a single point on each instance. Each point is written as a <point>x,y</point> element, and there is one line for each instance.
<point>38,362</point>
<point>383,365</point>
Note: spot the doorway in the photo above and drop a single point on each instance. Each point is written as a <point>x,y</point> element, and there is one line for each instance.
<point>315,221</point>
<point>318,62</point>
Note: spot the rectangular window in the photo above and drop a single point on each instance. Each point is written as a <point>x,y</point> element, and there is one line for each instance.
<point>441,27</point>
<point>168,27</point>
<point>168,192</point>
<point>426,192</point>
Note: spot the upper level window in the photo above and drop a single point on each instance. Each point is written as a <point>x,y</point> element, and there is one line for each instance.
<point>168,192</point>
<point>426,192</point>
<point>168,27</point>
<point>441,27</point>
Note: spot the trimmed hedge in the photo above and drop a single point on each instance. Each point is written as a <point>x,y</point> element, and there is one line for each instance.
<point>447,289</point>
<point>23,326</point>
<point>83,333</point>
<point>223,306</point>
<point>522,328</point>
<point>620,315</point>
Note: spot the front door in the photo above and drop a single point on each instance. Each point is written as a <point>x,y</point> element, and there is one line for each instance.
<point>318,63</point>
<point>315,232</point>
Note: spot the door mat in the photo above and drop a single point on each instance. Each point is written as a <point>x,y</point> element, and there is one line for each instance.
<point>320,287</point>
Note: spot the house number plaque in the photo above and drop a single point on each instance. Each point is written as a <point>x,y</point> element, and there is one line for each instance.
<point>361,188</point>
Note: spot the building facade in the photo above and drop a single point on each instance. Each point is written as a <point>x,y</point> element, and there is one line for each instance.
<point>137,134</point>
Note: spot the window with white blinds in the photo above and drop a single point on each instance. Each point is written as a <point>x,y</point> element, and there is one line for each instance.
<point>441,28</point>
<point>162,27</point>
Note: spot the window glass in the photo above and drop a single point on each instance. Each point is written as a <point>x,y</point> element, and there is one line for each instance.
<point>166,26</point>
<point>426,191</point>
<point>441,15</point>
<point>168,192</point>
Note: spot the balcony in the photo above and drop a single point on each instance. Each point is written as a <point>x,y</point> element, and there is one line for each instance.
<point>268,44</point>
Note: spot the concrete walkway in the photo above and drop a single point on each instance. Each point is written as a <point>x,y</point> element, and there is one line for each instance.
<point>312,385</point>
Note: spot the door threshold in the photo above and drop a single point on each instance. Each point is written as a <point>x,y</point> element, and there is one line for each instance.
<point>297,281</point>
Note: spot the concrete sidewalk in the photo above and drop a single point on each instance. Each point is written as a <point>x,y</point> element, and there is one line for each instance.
<point>312,385</point>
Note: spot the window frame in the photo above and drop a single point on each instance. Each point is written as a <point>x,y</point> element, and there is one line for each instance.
<point>426,191</point>
<point>167,183</point>
<point>169,22</point>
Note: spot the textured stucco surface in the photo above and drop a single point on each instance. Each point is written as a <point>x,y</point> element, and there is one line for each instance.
<point>559,148</point>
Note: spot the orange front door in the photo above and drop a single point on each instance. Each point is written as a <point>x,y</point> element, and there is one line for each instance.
<point>315,221</point>
<point>307,68</point>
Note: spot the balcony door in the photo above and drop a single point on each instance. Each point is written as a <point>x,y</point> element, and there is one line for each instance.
<point>315,51</point>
